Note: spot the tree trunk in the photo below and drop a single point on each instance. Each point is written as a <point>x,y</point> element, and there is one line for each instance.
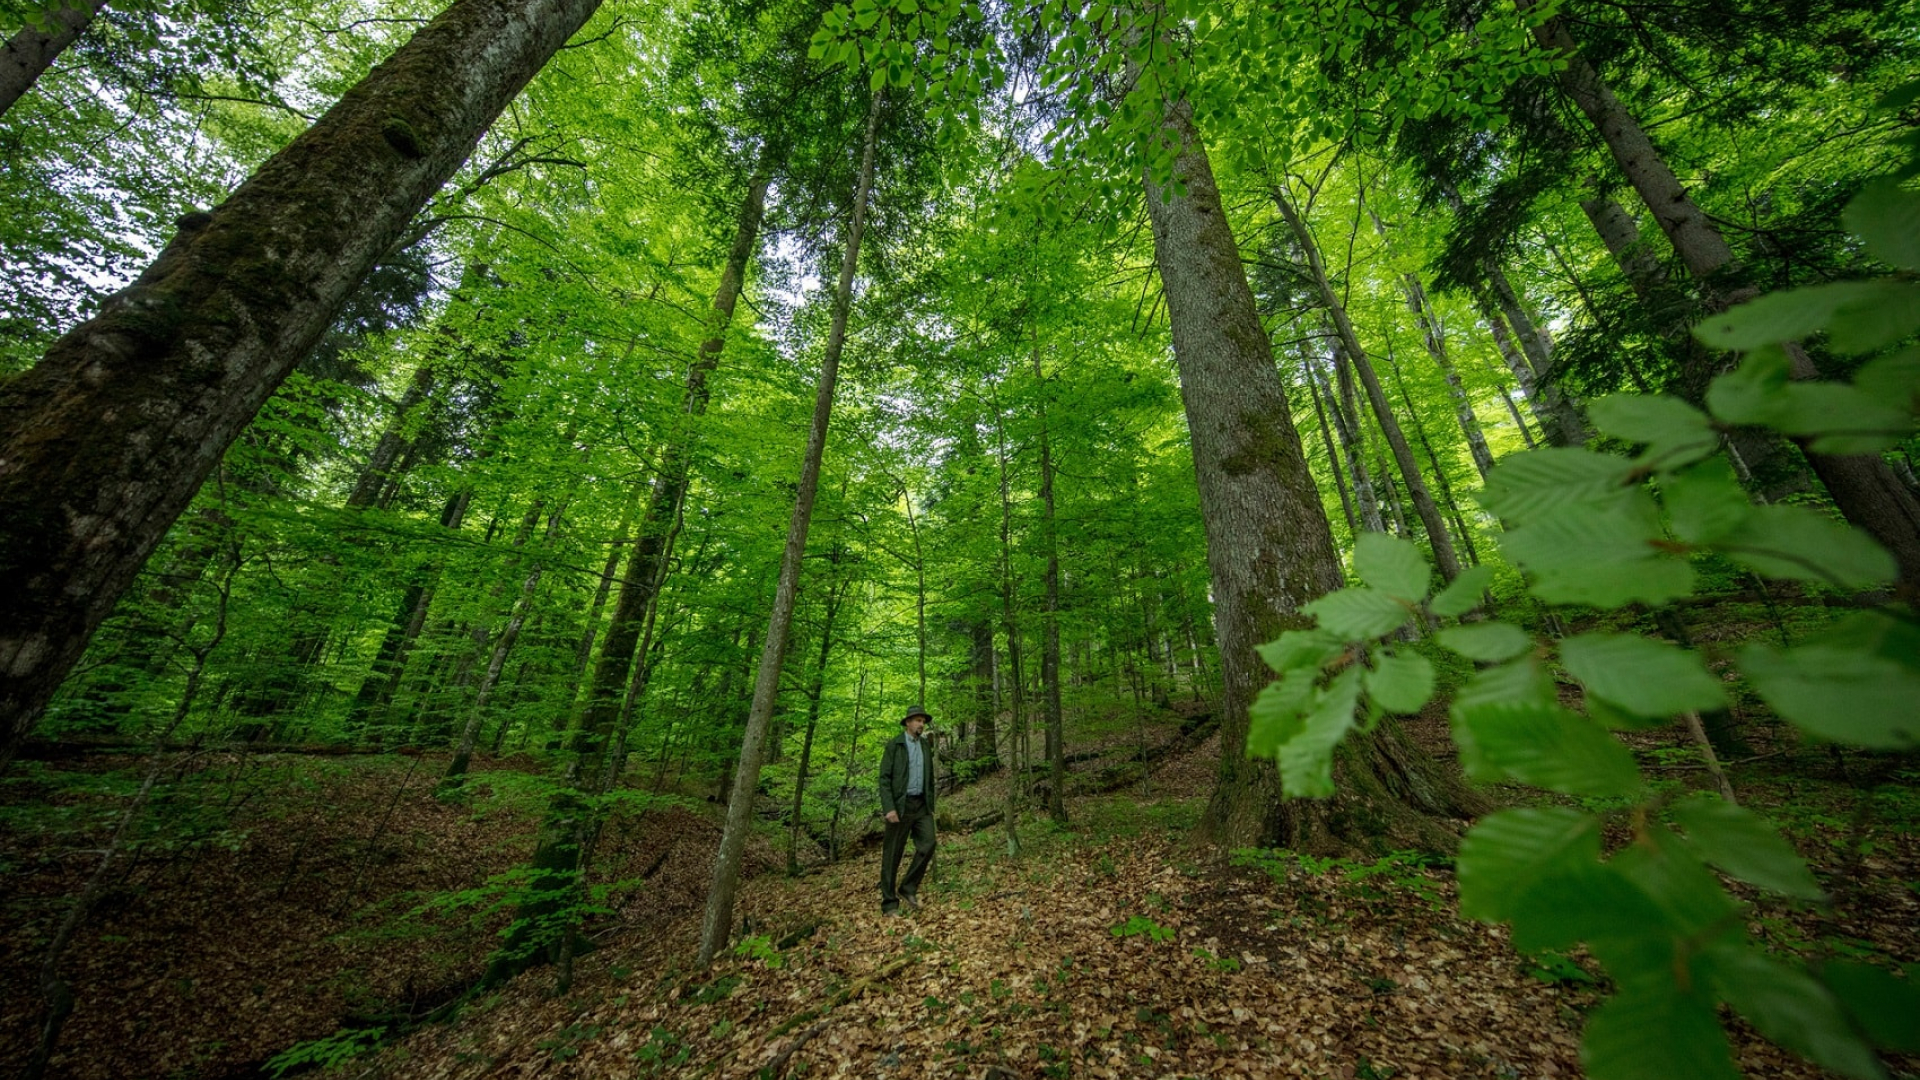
<point>1436,342</point>
<point>1433,460</point>
<point>1346,415</point>
<point>1050,643</point>
<point>1269,549</point>
<point>1560,419</point>
<point>1619,232</point>
<point>390,662</point>
<point>816,686</point>
<point>105,441</point>
<point>610,674</point>
<point>983,675</point>
<point>718,922</point>
<point>1010,622</point>
<point>1326,440</point>
<point>31,51</point>
<point>1423,504</point>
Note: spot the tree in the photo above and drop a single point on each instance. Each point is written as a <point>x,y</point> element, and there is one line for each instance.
<point>109,436</point>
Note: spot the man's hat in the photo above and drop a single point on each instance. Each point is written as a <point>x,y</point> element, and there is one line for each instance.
<point>919,711</point>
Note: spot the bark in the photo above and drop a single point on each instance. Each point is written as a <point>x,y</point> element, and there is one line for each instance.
<point>1443,555</point>
<point>105,441</point>
<point>718,922</point>
<point>1050,642</point>
<point>1433,336</point>
<point>1326,440</point>
<point>1269,549</point>
<point>1010,622</point>
<point>1621,234</point>
<point>981,672</point>
<point>816,687</point>
<point>1560,420</point>
<point>1433,460</point>
<point>1346,415</point>
<point>30,52</point>
<point>380,464</point>
<point>390,662</point>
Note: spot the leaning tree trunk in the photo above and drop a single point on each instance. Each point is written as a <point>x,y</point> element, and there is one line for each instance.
<point>29,53</point>
<point>105,441</point>
<point>1435,339</point>
<point>1863,486</point>
<point>1269,549</point>
<point>718,922</point>
<point>1423,504</point>
<point>816,689</point>
<point>1326,440</point>
<point>1050,643</point>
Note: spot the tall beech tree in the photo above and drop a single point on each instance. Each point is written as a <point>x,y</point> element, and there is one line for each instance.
<point>718,921</point>
<point>1269,548</point>
<point>104,442</point>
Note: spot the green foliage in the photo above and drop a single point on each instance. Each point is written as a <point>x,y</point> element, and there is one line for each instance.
<point>1607,530</point>
<point>1140,925</point>
<point>325,1054</point>
<point>760,947</point>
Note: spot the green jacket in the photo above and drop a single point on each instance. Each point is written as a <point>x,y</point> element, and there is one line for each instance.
<point>893,773</point>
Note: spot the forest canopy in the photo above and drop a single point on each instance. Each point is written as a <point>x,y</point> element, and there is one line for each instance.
<point>1417,406</point>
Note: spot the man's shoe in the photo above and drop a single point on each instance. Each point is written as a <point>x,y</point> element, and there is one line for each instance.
<point>911,900</point>
<point>885,912</point>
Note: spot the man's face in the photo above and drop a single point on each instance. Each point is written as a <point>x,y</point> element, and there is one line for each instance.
<point>916,725</point>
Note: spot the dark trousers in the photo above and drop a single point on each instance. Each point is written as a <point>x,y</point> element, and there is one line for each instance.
<point>917,823</point>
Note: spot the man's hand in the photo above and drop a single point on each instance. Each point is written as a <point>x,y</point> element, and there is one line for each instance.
<point>893,817</point>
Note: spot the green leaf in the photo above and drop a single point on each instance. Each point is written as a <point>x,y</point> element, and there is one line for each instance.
<point>878,79</point>
<point>1359,613</point>
<point>1840,419</point>
<point>1607,556</point>
<point>1838,693</point>
<point>1392,565</point>
<point>1642,676</point>
<point>1788,315</point>
<point>1669,427</point>
<point>1744,845</point>
<point>1301,649</point>
<point>1507,852</point>
<point>1790,1007</point>
<point>1887,218</point>
<point>1705,503</point>
<point>1655,1032</point>
<point>1306,760</point>
<point>1753,393</point>
<point>1875,322</point>
<point>1486,641</point>
<point>1401,682</point>
<point>1463,594</point>
<point>1275,715</point>
<point>1692,899</point>
<point>1521,680</point>
<point>1525,487</point>
<point>1795,542</point>
<point>1886,1007</point>
<point>1543,745</point>
<point>1893,379</point>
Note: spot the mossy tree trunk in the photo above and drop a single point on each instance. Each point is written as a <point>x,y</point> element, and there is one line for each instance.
<point>1269,548</point>
<point>105,441</point>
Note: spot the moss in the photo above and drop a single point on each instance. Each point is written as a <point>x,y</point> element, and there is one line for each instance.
<point>401,136</point>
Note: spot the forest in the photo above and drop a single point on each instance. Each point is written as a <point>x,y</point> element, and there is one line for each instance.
<point>1403,514</point>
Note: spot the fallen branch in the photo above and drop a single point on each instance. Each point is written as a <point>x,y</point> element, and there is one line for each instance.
<point>851,992</point>
<point>779,1063</point>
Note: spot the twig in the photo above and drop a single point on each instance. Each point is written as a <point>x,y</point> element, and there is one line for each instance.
<point>778,1064</point>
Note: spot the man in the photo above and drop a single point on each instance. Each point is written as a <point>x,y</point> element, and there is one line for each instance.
<point>906,797</point>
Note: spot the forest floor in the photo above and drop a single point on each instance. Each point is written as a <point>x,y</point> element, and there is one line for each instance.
<point>1110,947</point>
